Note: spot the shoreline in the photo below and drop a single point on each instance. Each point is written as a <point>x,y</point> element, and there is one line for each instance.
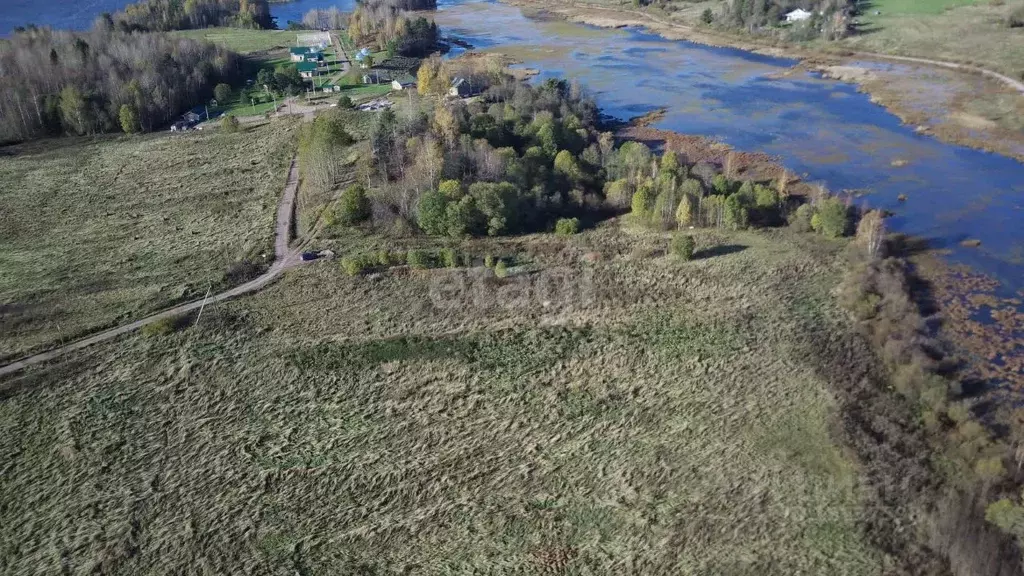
<point>895,90</point>
<point>984,326</point>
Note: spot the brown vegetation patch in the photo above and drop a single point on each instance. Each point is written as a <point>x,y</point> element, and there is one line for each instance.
<point>756,166</point>
<point>988,327</point>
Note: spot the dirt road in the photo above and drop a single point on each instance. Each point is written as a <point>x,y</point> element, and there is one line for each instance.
<point>285,256</point>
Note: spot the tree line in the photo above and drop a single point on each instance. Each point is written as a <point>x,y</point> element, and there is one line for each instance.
<point>165,15</point>
<point>59,82</point>
<point>383,23</point>
<point>830,19</point>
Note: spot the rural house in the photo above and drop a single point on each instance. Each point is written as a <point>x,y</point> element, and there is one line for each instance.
<point>307,69</point>
<point>797,15</point>
<point>461,88</point>
<point>298,53</point>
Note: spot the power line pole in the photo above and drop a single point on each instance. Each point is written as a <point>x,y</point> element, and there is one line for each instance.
<point>203,306</point>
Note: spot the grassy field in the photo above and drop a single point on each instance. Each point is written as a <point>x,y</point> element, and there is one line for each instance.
<point>241,40</point>
<point>98,231</point>
<point>669,420</point>
<point>955,30</point>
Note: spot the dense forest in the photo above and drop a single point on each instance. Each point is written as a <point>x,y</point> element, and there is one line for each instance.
<point>384,23</point>
<point>100,81</point>
<point>523,158</point>
<point>163,15</point>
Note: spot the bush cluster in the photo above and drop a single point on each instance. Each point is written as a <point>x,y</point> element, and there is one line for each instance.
<point>877,292</point>
<point>567,226</point>
<point>683,246</point>
<point>677,198</point>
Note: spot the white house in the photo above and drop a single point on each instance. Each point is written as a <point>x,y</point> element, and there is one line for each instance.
<point>798,15</point>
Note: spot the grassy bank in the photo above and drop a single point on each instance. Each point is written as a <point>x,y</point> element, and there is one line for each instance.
<point>97,231</point>
<point>670,421</point>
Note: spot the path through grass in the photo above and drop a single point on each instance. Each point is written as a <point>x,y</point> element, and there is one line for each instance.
<point>98,231</point>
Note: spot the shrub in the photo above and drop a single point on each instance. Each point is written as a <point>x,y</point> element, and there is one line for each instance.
<point>345,102</point>
<point>720,184</point>
<point>685,211</point>
<point>641,205</point>
<point>462,217</point>
<point>765,196</point>
<point>450,258</point>
<point>489,261</point>
<point>617,193</point>
<point>567,226</point>
<point>800,220</point>
<point>707,16</point>
<point>418,259</point>
<point>222,92</point>
<point>1006,515</point>
<point>683,246</point>
<point>230,124</point>
<point>354,265</point>
<point>383,258</point>
<point>833,218</point>
<point>746,194</point>
<point>500,270</point>
<point>353,206</point>
<point>160,327</point>
<point>129,119</point>
<point>431,214</point>
<point>735,214</point>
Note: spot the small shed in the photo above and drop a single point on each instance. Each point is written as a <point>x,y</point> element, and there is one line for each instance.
<point>798,15</point>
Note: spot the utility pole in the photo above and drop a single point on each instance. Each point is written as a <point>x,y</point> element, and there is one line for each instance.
<point>201,307</point>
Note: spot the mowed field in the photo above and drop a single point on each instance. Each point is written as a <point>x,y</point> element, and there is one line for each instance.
<point>953,30</point>
<point>97,231</point>
<point>242,40</point>
<point>634,415</point>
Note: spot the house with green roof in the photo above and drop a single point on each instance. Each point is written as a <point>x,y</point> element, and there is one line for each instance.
<point>307,69</point>
<point>305,54</point>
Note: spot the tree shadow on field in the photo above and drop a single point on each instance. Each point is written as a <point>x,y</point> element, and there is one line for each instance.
<point>720,250</point>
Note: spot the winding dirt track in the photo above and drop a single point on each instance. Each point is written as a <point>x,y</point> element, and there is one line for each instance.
<point>1018,85</point>
<point>284,257</point>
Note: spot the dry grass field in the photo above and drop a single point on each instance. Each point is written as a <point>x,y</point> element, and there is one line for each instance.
<point>96,231</point>
<point>604,410</point>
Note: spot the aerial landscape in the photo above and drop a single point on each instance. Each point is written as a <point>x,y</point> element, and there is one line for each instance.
<point>567,287</point>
